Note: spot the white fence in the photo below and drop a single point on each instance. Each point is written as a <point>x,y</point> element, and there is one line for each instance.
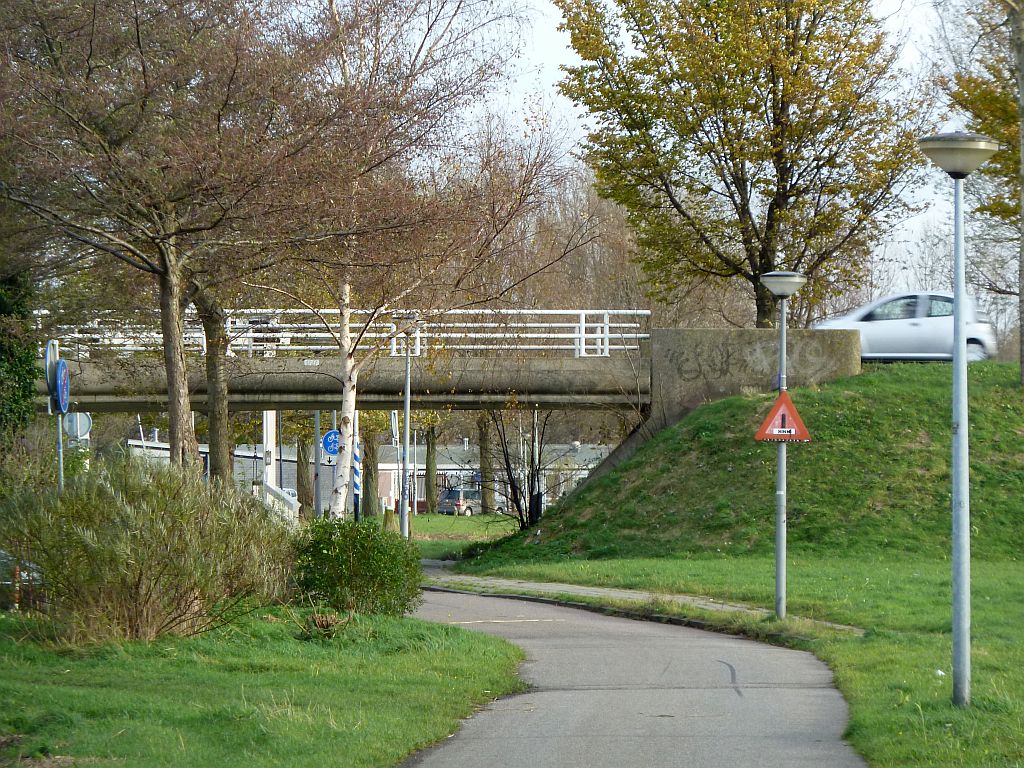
<point>268,332</point>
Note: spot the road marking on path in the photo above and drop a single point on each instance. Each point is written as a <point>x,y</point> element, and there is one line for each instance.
<point>511,621</point>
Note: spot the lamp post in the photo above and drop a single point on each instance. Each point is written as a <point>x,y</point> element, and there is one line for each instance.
<point>959,154</point>
<point>782,285</point>
<point>412,323</point>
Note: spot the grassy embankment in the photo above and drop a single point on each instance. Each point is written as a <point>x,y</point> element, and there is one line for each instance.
<point>869,540</point>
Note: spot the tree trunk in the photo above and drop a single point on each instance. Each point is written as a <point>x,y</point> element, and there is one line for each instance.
<point>517,497</point>
<point>369,502</point>
<point>304,479</point>
<point>764,301</point>
<point>1016,21</point>
<point>346,418</point>
<point>430,472</point>
<point>483,425</point>
<point>214,320</point>
<point>184,449</point>
<point>534,511</point>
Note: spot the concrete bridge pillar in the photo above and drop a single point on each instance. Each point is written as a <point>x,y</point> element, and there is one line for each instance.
<point>270,456</point>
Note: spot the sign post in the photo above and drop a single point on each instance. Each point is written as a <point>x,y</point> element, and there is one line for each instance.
<point>317,447</point>
<point>780,428</point>
<point>357,470</point>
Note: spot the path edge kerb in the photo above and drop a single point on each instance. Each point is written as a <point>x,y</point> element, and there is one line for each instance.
<point>786,639</point>
<point>553,595</point>
<point>606,610</point>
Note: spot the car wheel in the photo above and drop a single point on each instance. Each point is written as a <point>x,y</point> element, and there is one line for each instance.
<point>499,511</point>
<point>976,352</point>
<point>469,511</point>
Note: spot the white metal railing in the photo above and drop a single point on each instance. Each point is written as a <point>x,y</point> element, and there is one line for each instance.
<point>279,501</point>
<point>268,332</point>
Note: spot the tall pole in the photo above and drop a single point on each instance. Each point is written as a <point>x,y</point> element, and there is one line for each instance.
<point>403,503</point>
<point>357,470</point>
<point>317,457</point>
<point>60,452</point>
<point>959,154</point>
<point>334,465</point>
<point>961,492</point>
<point>780,483</point>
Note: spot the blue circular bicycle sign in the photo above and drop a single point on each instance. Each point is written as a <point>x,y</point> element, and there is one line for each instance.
<point>63,386</point>
<point>332,441</point>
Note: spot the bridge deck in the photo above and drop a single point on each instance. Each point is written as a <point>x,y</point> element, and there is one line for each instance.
<point>138,383</point>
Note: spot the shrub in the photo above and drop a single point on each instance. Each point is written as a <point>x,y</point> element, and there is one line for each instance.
<point>358,567</point>
<point>30,459</point>
<point>18,371</point>
<point>135,550</point>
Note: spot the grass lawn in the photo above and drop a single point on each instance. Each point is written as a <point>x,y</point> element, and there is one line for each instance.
<point>447,537</point>
<point>253,695</point>
<point>693,512</point>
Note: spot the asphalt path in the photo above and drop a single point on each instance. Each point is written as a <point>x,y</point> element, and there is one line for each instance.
<point>613,692</point>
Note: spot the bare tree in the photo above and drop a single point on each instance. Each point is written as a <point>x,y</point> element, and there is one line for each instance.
<point>479,213</point>
<point>199,142</point>
<point>520,459</point>
<point>137,125</point>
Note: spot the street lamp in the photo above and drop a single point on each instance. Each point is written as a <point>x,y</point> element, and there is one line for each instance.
<point>782,285</point>
<point>959,154</point>
<point>411,320</point>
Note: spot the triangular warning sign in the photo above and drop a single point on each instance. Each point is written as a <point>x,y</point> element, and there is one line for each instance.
<point>783,423</point>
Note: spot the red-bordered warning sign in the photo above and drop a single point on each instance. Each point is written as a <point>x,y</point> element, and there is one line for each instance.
<point>783,423</point>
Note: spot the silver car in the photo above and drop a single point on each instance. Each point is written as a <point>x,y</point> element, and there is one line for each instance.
<point>466,501</point>
<point>916,326</point>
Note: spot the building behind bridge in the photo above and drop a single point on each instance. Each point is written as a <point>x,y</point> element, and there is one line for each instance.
<point>564,466</point>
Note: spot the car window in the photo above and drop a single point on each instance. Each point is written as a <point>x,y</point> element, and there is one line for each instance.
<point>897,309</point>
<point>450,494</point>
<point>940,306</point>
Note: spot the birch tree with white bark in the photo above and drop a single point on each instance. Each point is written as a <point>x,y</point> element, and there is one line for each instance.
<point>468,216</point>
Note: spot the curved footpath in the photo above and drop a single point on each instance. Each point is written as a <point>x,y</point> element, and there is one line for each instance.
<point>610,692</point>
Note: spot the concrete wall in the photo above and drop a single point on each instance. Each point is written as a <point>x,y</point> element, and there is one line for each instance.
<point>694,366</point>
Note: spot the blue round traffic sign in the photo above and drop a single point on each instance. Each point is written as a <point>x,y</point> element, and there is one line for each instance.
<point>332,441</point>
<point>62,396</point>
